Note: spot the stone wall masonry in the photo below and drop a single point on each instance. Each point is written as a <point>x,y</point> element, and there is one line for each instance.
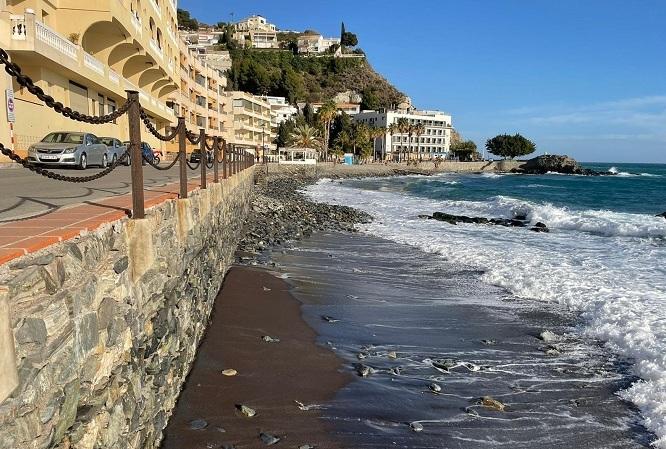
<point>105,327</point>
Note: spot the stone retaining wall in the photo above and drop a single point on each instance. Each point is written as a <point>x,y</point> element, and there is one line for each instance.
<point>103,329</point>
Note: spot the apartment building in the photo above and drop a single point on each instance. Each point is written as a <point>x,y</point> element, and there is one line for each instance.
<point>281,110</point>
<point>86,54</point>
<point>201,98</point>
<point>252,123</point>
<point>349,108</point>
<point>312,43</point>
<point>256,32</point>
<point>435,141</point>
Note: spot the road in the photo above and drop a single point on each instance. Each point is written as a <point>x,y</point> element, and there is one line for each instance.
<point>26,194</point>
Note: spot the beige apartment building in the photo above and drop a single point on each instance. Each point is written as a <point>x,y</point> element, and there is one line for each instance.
<point>256,32</point>
<point>86,54</point>
<point>252,119</point>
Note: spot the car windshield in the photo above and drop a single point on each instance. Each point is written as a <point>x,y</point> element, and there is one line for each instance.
<point>106,141</point>
<point>63,138</point>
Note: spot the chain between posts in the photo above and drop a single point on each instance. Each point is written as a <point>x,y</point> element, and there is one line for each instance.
<point>233,160</point>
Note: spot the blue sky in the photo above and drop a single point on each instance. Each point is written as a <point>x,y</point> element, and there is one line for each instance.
<point>580,77</point>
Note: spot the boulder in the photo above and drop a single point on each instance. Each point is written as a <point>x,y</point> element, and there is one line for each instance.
<point>540,227</point>
<point>663,215</point>
<point>553,163</point>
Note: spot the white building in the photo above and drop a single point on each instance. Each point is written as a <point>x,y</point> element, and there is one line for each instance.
<point>256,32</point>
<point>435,141</point>
<point>281,110</point>
<point>316,43</point>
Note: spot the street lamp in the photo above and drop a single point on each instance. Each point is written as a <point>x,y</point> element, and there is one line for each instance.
<point>263,146</point>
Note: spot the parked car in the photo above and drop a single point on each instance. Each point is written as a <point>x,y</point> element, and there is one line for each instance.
<point>147,152</point>
<point>74,149</point>
<point>195,156</point>
<point>115,148</point>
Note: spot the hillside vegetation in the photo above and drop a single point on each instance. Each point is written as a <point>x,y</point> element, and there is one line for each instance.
<point>309,79</point>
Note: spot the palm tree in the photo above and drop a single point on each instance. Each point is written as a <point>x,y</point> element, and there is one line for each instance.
<point>326,115</point>
<point>403,127</point>
<point>306,136</point>
<point>419,130</point>
<point>392,129</point>
<point>377,133</point>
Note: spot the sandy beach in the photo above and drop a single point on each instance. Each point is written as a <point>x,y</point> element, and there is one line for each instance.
<point>271,376</point>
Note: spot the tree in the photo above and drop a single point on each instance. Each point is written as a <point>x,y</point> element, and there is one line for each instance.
<point>349,39</point>
<point>464,150</point>
<point>342,123</point>
<point>305,136</point>
<point>185,21</point>
<point>419,130</point>
<point>326,114</point>
<point>377,132</point>
<point>284,132</point>
<point>393,129</point>
<point>309,114</point>
<point>505,146</point>
<point>403,128</point>
<point>370,100</point>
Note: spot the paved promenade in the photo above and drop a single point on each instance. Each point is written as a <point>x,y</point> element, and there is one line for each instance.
<point>36,212</point>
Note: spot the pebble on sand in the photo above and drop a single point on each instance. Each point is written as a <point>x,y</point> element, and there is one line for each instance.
<point>392,355</point>
<point>492,404</point>
<point>329,319</point>
<point>268,439</point>
<point>229,372</point>
<point>269,339</point>
<point>416,426</point>
<point>246,411</point>
<point>198,424</point>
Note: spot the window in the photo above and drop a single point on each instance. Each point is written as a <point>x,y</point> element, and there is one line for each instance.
<point>78,98</point>
<point>101,105</point>
<point>112,107</point>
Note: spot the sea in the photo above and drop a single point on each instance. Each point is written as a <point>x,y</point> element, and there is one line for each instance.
<point>409,296</point>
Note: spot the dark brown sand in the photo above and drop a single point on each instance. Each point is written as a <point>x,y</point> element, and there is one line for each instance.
<point>271,376</point>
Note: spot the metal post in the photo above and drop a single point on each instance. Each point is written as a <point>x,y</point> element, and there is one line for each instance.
<point>216,153</point>
<point>225,160</point>
<point>182,153</point>
<point>234,153</point>
<point>134,117</point>
<point>204,157</point>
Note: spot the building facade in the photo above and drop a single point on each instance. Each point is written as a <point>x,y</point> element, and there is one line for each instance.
<point>435,140</point>
<point>86,54</point>
<point>316,43</point>
<point>256,32</point>
<point>251,127</point>
<point>281,110</point>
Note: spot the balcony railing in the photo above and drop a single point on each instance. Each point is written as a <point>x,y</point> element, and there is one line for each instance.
<point>156,48</point>
<point>156,7</point>
<point>93,64</point>
<point>19,30</point>
<point>114,77</point>
<point>55,40</point>
<point>136,22</point>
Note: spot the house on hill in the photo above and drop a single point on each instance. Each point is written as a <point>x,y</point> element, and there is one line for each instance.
<point>315,43</point>
<point>257,32</point>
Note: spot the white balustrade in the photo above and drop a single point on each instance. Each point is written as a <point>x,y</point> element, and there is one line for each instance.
<point>114,77</point>
<point>156,48</point>
<point>19,30</point>
<point>55,40</point>
<point>143,97</point>
<point>156,7</point>
<point>136,22</point>
<point>93,64</point>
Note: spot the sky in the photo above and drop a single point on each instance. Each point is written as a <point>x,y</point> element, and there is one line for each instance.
<point>585,78</point>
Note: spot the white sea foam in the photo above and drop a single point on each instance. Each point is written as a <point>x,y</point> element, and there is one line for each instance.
<point>607,265</point>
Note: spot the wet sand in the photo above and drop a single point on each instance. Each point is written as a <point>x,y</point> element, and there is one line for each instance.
<point>271,376</point>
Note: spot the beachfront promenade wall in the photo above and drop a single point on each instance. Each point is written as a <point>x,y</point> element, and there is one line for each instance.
<point>103,329</point>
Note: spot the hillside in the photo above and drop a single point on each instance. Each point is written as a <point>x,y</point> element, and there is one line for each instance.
<point>309,79</point>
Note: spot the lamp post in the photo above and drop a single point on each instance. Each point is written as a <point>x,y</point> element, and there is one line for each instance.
<point>263,146</point>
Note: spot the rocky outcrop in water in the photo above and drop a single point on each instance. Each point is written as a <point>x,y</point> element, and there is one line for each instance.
<point>663,215</point>
<point>552,163</point>
<point>519,221</point>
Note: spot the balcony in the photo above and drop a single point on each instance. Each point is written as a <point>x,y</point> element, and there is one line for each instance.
<point>156,7</point>
<point>38,42</point>
<point>136,22</point>
<point>155,47</point>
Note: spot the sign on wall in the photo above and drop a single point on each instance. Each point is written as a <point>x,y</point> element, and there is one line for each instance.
<point>11,116</point>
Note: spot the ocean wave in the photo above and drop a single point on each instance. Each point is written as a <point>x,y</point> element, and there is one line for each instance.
<point>492,175</point>
<point>617,283</point>
<point>624,174</point>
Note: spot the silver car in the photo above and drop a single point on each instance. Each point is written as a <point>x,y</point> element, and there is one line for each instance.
<point>115,149</point>
<point>69,149</point>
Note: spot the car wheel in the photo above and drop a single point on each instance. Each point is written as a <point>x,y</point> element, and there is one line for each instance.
<point>83,162</point>
<point>105,161</point>
<point>114,160</point>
